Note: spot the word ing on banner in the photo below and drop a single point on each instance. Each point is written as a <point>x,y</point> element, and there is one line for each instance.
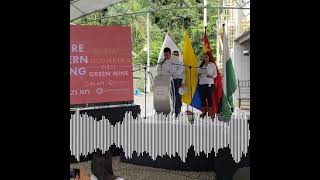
<point>78,71</point>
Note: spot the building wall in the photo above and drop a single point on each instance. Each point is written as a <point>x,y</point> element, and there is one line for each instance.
<point>241,65</point>
<point>241,62</point>
<point>237,22</point>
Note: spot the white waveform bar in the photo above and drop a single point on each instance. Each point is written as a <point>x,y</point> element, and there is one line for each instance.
<point>159,135</point>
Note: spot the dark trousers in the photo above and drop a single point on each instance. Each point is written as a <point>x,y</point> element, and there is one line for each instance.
<point>177,85</point>
<point>206,94</point>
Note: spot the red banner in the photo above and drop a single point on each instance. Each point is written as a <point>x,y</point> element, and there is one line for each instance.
<point>100,64</point>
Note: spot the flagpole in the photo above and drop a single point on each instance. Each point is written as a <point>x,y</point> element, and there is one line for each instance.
<point>205,14</point>
<point>224,74</point>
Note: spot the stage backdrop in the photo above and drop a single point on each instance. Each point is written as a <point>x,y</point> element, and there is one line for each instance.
<point>100,64</point>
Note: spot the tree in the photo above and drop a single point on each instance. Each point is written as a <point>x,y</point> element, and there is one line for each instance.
<point>175,22</point>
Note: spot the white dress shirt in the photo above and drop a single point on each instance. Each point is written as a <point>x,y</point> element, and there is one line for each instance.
<point>173,67</point>
<point>205,71</point>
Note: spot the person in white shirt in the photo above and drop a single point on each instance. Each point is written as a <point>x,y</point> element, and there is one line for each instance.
<point>172,66</point>
<point>207,72</point>
<point>176,53</point>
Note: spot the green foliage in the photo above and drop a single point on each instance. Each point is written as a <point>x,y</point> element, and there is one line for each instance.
<point>176,22</point>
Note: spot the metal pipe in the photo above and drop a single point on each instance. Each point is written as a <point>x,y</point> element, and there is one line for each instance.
<point>148,53</point>
<point>205,14</point>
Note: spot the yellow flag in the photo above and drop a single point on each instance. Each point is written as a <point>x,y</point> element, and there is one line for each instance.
<point>189,59</point>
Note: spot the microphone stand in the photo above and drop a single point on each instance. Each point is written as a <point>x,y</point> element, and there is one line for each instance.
<point>190,84</point>
<point>145,87</point>
<point>191,92</point>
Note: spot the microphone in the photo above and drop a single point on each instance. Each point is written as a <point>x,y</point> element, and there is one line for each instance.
<point>163,62</point>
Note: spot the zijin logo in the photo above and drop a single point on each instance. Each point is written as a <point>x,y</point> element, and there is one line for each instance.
<point>99,91</point>
<point>110,83</point>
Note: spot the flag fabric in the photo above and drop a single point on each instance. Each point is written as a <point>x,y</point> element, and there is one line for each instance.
<point>217,88</point>
<point>192,96</point>
<point>168,42</point>
<point>229,80</point>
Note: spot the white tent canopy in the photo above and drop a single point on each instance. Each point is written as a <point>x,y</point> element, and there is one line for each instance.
<point>79,8</point>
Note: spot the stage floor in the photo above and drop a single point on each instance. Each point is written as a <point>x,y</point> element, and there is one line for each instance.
<point>135,172</point>
<point>140,100</point>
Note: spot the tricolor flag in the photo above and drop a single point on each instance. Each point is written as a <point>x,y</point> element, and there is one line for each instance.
<point>192,96</point>
<point>217,89</point>
<point>229,80</point>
